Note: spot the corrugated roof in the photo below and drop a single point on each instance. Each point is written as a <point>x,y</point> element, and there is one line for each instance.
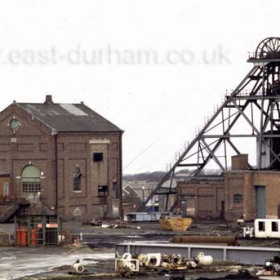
<point>68,117</point>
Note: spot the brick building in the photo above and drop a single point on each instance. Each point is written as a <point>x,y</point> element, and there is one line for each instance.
<point>238,193</point>
<point>62,158</point>
<point>203,198</point>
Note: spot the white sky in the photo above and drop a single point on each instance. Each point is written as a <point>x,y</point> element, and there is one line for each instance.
<point>95,51</point>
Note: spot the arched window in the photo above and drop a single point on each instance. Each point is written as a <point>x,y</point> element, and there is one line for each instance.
<point>77,178</point>
<point>30,179</point>
<point>237,198</point>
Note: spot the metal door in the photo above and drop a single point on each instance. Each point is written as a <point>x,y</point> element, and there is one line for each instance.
<point>260,202</point>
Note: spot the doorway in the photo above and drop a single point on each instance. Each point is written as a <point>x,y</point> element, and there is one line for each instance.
<point>223,210</point>
<point>184,208</point>
<point>6,192</point>
<point>260,202</point>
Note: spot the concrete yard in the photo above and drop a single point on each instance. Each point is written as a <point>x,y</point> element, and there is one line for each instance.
<point>99,252</point>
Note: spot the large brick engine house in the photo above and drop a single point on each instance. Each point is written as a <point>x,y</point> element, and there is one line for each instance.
<point>60,159</point>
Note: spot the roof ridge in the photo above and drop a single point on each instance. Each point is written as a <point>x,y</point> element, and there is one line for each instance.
<point>36,103</point>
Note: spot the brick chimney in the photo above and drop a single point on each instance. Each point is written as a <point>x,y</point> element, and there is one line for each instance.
<point>48,100</point>
<point>239,162</point>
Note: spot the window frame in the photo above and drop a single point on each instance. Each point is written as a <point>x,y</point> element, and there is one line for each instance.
<point>237,198</point>
<point>77,180</point>
<point>30,180</point>
<point>31,187</point>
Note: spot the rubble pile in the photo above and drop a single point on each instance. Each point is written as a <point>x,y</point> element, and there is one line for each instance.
<point>131,263</point>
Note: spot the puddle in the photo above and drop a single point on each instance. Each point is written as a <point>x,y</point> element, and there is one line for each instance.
<point>29,264</point>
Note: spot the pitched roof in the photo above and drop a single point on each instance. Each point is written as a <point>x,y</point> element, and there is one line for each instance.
<point>68,117</point>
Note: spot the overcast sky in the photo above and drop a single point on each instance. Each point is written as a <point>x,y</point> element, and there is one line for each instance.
<point>154,68</point>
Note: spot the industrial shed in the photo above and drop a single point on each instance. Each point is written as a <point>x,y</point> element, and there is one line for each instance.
<point>239,193</point>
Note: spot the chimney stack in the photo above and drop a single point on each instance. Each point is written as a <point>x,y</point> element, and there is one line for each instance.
<point>240,162</point>
<point>48,100</point>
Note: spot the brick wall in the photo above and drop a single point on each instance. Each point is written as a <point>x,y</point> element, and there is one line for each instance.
<point>77,150</point>
<point>234,184</point>
<point>203,198</point>
<point>238,191</point>
<point>245,183</point>
<point>271,181</point>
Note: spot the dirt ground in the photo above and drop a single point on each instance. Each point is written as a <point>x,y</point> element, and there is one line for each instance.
<point>97,253</point>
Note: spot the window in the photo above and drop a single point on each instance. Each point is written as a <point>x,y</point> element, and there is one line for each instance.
<point>77,174</point>
<point>14,125</point>
<point>261,226</point>
<point>274,226</point>
<point>115,189</point>
<point>6,189</point>
<point>97,157</point>
<point>30,179</point>
<point>31,187</point>
<point>237,198</point>
<point>102,190</point>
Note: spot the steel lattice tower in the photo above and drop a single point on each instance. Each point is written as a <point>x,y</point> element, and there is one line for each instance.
<point>250,111</point>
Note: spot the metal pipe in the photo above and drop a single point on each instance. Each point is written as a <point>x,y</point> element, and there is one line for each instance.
<point>56,172</point>
<point>120,176</point>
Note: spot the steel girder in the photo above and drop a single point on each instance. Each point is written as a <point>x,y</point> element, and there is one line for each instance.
<point>250,111</point>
